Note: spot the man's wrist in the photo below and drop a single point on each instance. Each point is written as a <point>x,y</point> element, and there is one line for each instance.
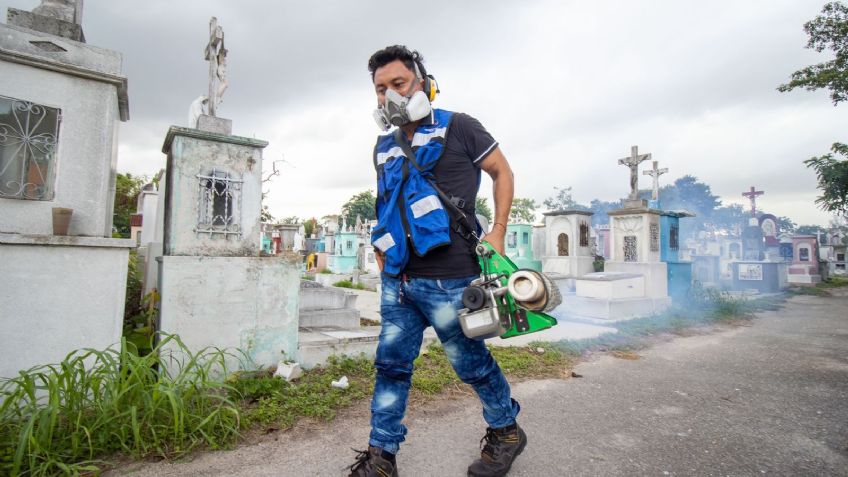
<point>495,227</point>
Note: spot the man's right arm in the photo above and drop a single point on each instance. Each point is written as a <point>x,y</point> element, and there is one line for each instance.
<point>379,256</point>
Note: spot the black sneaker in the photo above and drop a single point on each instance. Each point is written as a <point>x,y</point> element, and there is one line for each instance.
<point>374,462</point>
<point>501,448</point>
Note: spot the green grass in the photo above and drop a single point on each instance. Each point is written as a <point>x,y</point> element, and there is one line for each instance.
<point>67,418</point>
<point>834,282</point>
<point>350,284</point>
<point>433,372</point>
<point>819,289</point>
<point>270,401</point>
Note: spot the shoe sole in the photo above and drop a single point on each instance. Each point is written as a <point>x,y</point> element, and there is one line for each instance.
<point>517,453</point>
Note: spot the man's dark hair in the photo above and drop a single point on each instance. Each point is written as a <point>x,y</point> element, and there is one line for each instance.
<point>392,53</point>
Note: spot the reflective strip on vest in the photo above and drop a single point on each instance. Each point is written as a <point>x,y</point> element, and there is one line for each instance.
<point>385,242</point>
<point>382,157</point>
<point>419,139</point>
<point>425,206</point>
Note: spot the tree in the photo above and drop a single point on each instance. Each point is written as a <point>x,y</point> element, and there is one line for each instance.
<point>481,207</point>
<point>292,220</point>
<point>127,188</point>
<point>361,204</point>
<point>810,229</point>
<point>600,208</point>
<point>562,200</point>
<point>785,224</point>
<point>828,31</point>
<point>265,215</point>
<point>729,218</point>
<point>687,193</point>
<point>523,210</point>
<point>832,174</point>
<point>309,226</point>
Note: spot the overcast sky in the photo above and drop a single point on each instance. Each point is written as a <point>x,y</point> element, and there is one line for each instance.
<point>566,87</point>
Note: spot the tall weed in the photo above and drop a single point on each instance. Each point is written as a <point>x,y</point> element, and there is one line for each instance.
<point>67,418</point>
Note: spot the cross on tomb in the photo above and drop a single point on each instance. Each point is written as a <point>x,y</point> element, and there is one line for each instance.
<point>216,55</point>
<point>633,163</point>
<point>655,174</point>
<point>752,195</point>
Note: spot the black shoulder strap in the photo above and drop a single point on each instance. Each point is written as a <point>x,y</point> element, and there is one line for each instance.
<point>461,218</point>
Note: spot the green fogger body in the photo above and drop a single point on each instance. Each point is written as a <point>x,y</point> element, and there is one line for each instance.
<point>506,301</point>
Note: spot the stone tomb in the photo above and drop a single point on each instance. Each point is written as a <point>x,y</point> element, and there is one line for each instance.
<point>763,276</point>
<point>705,270</point>
<point>518,246</point>
<point>634,282</point>
<point>568,251</point>
<point>216,290</point>
<point>679,271</point>
<point>344,257</point>
<point>804,269</point>
<point>61,102</point>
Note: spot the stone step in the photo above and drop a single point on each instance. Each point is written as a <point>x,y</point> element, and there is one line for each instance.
<point>599,310</point>
<point>342,317</point>
<point>316,344</point>
<point>325,298</point>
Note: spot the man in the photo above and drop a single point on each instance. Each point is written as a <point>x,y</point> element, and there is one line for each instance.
<point>428,174</point>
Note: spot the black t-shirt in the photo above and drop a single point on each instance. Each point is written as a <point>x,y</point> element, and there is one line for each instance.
<point>457,173</point>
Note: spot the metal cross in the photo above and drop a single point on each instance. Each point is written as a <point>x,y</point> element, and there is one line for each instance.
<point>633,163</point>
<point>752,194</point>
<point>655,173</point>
<point>214,52</point>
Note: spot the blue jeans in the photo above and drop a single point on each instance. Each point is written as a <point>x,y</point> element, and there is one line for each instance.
<point>407,308</point>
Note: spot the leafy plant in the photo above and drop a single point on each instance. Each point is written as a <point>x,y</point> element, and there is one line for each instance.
<point>362,204</point>
<point>832,174</point>
<point>523,210</point>
<point>828,31</point>
<point>481,207</point>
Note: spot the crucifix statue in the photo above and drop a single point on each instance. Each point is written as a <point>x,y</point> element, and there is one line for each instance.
<point>655,174</point>
<point>752,194</point>
<point>216,55</point>
<point>633,163</point>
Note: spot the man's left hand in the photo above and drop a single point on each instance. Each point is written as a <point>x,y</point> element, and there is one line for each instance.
<point>496,238</point>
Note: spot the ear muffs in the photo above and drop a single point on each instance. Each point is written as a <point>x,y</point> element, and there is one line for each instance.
<point>431,87</point>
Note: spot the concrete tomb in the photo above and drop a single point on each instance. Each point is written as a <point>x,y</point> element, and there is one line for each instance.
<point>805,263</point>
<point>568,251</point>
<point>61,101</point>
<point>634,282</point>
<point>216,290</point>
<point>833,250</point>
<point>757,269</point>
<point>518,246</point>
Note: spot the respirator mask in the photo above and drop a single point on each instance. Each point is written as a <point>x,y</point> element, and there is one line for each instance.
<point>399,110</point>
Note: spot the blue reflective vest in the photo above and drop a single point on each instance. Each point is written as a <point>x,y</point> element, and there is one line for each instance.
<point>410,215</point>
